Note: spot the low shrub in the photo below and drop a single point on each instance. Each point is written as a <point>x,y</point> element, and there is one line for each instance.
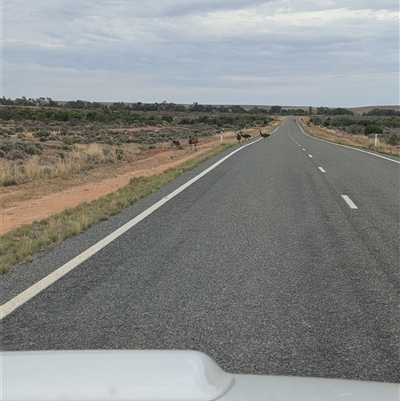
<point>394,139</point>
<point>15,154</point>
<point>9,181</point>
<point>31,149</point>
<point>119,153</point>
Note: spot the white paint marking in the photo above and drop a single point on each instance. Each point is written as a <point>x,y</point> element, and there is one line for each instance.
<point>322,169</point>
<point>349,202</point>
<point>304,149</point>
<point>45,282</point>
<point>310,156</point>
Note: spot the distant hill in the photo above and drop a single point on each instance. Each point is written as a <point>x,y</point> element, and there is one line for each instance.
<point>366,109</point>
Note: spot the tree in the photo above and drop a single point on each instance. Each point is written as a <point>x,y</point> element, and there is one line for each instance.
<point>373,129</point>
<point>276,109</point>
<point>323,111</point>
<point>340,111</point>
<point>77,104</point>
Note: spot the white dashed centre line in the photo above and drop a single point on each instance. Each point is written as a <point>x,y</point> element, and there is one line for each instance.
<point>349,202</point>
<point>310,156</point>
<point>322,169</point>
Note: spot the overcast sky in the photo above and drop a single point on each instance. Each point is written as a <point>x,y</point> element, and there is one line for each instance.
<point>341,53</point>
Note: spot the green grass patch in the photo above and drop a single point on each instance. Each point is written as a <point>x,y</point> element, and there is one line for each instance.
<point>21,244</point>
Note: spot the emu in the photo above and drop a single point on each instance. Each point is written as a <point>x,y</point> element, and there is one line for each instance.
<point>265,136</point>
<point>176,143</point>
<point>238,136</point>
<point>246,136</point>
<point>193,141</point>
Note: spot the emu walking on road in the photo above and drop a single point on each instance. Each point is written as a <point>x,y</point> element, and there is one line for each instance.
<point>265,136</point>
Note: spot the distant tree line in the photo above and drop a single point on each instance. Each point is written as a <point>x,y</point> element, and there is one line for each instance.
<point>46,109</point>
<point>23,101</point>
<point>129,117</point>
<point>326,111</point>
<point>339,111</point>
<point>79,111</point>
<point>383,112</point>
<point>139,106</point>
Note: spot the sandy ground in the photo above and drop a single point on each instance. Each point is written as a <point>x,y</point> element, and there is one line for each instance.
<point>34,201</point>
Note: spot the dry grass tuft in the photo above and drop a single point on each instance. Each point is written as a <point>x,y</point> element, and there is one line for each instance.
<point>80,158</point>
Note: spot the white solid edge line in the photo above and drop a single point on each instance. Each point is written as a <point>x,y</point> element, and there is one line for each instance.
<point>322,169</point>
<point>345,146</point>
<point>349,202</point>
<point>45,282</point>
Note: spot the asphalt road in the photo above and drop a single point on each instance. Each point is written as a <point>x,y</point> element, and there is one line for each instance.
<point>282,260</point>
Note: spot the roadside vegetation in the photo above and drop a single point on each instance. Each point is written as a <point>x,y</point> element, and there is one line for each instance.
<point>377,130</point>
<point>42,139</point>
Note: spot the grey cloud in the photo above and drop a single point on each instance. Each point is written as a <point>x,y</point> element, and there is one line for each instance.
<point>160,39</point>
<point>181,8</point>
<point>277,51</point>
<point>367,4</point>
